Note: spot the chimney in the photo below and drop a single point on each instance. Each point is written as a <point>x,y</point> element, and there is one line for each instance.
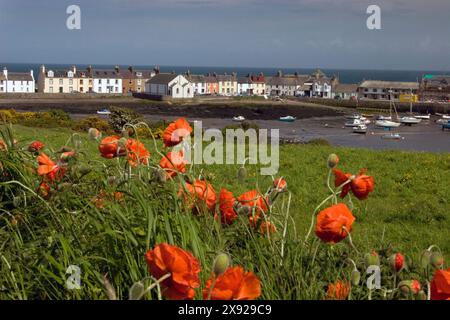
<point>89,69</point>
<point>42,69</point>
<point>130,68</point>
<point>32,73</point>
<point>117,69</point>
<point>5,72</point>
<point>74,69</point>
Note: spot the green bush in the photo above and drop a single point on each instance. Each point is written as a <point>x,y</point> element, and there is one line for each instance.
<point>122,116</point>
<point>92,122</point>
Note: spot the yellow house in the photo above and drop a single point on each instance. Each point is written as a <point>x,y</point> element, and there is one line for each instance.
<point>228,85</point>
<point>409,98</point>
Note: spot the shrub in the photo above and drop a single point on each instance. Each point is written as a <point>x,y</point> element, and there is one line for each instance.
<point>92,122</point>
<point>122,116</point>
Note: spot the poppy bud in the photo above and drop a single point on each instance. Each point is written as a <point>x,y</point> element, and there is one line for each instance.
<point>84,169</point>
<point>221,264</point>
<point>242,174</point>
<point>159,175</point>
<point>332,161</point>
<point>136,291</point>
<point>425,259</point>
<point>409,287</point>
<point>243,210</point>
<point>436,260</point>
<point>422,295</point>
<point>356,277</point>
<point>397,262</point>
<point>372,259</point>
<point>94,134</point>
<point>64,149</point>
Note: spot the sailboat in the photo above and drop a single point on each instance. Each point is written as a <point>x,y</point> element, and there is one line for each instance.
<point>389,124</point>
<point>410,119</point>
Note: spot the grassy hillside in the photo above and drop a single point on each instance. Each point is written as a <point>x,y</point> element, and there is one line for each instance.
<point>408,212</point>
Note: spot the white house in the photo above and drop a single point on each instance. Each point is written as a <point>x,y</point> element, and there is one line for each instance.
<point>243,86</point>
<point>17,82</point>
<point>106,81</point>
<point>198,82</point>
<point>170,84</point>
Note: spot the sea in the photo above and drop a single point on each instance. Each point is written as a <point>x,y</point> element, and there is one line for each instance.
<point>345,75</point>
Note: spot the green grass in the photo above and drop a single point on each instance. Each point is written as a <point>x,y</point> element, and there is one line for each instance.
<point>408,212</point>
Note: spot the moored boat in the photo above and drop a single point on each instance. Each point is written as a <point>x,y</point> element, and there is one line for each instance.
<point>362,128</point>
<point>104,111</point>
<point>288,119</point>
<point>387,124</point>
<point>239,119</point>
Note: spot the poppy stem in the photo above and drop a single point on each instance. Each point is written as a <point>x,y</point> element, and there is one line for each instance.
<point>314,215</point>
<point>212,288</point>
<point>164,277</point>
<point>350,239</point>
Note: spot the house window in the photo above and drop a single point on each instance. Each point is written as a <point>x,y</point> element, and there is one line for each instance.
<point>178,91</point>
<point>70,89</point>
<point>117,81</point>
<point>188,91</point>
<point>70,81</point>
<point>117,89</point>
<point>51,90</point>
<point>60,81</point>
<point>139,82</point>
<point>99,89</point>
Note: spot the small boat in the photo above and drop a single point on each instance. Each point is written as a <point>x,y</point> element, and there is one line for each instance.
<point>442,121</point>
<point>387,124</point>
<point>104,111</point>
<point>288,119</point>
<point>443,116</point>
<point>423,116</point>
<point>392,136</point>
<point>409,120</point>
<point>353,116</point>
<point>239,119</point>
<point>384,118</point>
<point>362,128</point>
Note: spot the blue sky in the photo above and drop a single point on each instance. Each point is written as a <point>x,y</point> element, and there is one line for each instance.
<point>249,33</point>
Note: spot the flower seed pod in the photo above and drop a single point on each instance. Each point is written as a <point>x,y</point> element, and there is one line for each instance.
<point>422,295</point>
<point>136,291</point>
<point>437,260</point>
<point>397,262</point>
<point>243,210</point>
<point>372,259</point>
<point>332,161</point>
<point>159,175</point>
<point>242,174</point>
<point>356,277</point>
<point>221,264</point>
<point>425,259</point>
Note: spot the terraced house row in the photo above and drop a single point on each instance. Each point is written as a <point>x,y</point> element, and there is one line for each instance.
<point>153,83</point>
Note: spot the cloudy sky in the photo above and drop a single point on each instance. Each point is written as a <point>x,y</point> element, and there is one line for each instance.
<point>415,34</point>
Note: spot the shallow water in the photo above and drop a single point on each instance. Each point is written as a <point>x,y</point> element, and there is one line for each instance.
<point>426,136</point>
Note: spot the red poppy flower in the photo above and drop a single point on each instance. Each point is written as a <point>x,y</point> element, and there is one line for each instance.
<point>137,153</point>
<point>226,206</point>
<point>253,199</point>
<point>182,266</point>
<point>331,222</point>
<point>35,146</point>
<point>176,132</point>
<point>173,163</point>
<point>109,147</point>
<point>339,179</point>
<point>280,185</point>
<point>48,168</point>
<point>338,290</point>
<point>200,190</point>
<point>440,285</point>
<point>362,185</point>
<point>233,284</point>
<point>44,190</point>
